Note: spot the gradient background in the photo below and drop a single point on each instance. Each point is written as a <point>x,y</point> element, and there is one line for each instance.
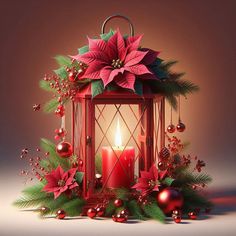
<point>200,34</point>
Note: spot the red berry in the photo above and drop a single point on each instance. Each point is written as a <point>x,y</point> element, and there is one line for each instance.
<point>192,215</point>
<point>118,202</point>
<point>177,219</point>
<point>61,214</point>
<point>91,213</point>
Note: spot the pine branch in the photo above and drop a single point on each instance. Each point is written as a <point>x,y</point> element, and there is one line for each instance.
<point>63,60</point>
<point>166,65</point>
<point>73,207</point>
<point>30,201</point>
<point>34,191</point>
<point>135,210</point>
<point>51,105</point>
<point>110,208</point>
<point>54,204</point>
<point>154,212</point>
<point>122,193</point>
<point>45,86</point>
<point>185,178</point>
<point>192,200</point>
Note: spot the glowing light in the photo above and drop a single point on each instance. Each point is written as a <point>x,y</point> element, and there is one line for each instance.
<point>118,141</point>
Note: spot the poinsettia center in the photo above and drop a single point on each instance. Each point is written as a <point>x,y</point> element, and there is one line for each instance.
<point>116,63</point>
<point>152,183</point>
<point>61,183</point>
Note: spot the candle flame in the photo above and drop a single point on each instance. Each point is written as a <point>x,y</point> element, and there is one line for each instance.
<point>118,141</point>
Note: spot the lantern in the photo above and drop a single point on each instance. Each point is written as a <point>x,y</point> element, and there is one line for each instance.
<point>116,134</point>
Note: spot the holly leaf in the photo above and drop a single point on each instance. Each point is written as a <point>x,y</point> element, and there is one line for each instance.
<point>167,181</point>
<point>106,36</point>
<point>83,49</point>
<point>97,87</point>
<point>63,60</point>
<point>79,177</point>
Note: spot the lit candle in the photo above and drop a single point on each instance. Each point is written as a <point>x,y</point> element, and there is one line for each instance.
<point>118,163</point>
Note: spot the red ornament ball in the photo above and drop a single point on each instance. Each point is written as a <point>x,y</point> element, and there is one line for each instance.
<point>91,213</point>
<point>64,149</point>
<point>180,127</point>
<point>171,128</point>
<point>120,218</point>
<point>161,166</point>
<point>192,215</point>
<point>169,199</point>
<point>118,202</point>
<point>61,214</point>
<point>100,211</point>
<point>177,219</point>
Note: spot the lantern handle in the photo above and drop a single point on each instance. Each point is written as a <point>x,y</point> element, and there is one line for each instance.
<point>118,16</point>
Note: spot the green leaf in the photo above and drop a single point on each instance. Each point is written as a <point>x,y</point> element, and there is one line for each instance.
<point>97,87</point>
<point>63,60</point>
<point>83,49</point>
<point>110,208</point>
<point>51,105</point>
<point>167,181</point>
<point>79,177</point>
<point>45,85</point>
<point>138,87</point>
<point>135,210</point>
<point>61,72</point>
<point>107,36</point>
<point>154,212</point>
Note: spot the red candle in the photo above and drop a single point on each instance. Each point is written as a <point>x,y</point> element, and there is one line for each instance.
<point>118,164</point>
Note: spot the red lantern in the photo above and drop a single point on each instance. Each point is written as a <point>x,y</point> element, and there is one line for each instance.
<point>123,130</point>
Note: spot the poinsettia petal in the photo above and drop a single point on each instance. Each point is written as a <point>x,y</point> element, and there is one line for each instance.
<point>93,71</point>
<point>105,75</point>
<point>133,42</point>
<point>73,185</point>
<point>150,57</point>
<point>138,69</point>
<point>58,173</point>
<point>162,174</point>
<point>91,56</point>
<point>97,45</point>
<point>146,175</point>
<point>57,194</point>
<point>125,80</point>
<point>154,171</point>
<point>134,58</point>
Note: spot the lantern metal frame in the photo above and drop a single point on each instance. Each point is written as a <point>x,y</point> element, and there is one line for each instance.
<point>150,121</point>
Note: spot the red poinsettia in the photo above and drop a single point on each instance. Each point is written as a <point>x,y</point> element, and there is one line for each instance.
<point>118,60</point>
<point>149,180</point>
<point>60,181</point>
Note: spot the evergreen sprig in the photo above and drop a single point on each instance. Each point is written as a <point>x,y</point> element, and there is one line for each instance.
<point>135,210</point>
<point>51,105</point>
<point>153,211</point>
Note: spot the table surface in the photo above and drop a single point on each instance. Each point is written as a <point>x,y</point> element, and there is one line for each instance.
<point>222,221</point>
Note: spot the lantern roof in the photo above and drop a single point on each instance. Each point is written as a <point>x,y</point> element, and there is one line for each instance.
<point>120,93</point>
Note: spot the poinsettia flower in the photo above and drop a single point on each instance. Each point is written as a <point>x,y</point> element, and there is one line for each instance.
<point>59,181</point>
<point>149,180</point>
<point>119,60</point>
